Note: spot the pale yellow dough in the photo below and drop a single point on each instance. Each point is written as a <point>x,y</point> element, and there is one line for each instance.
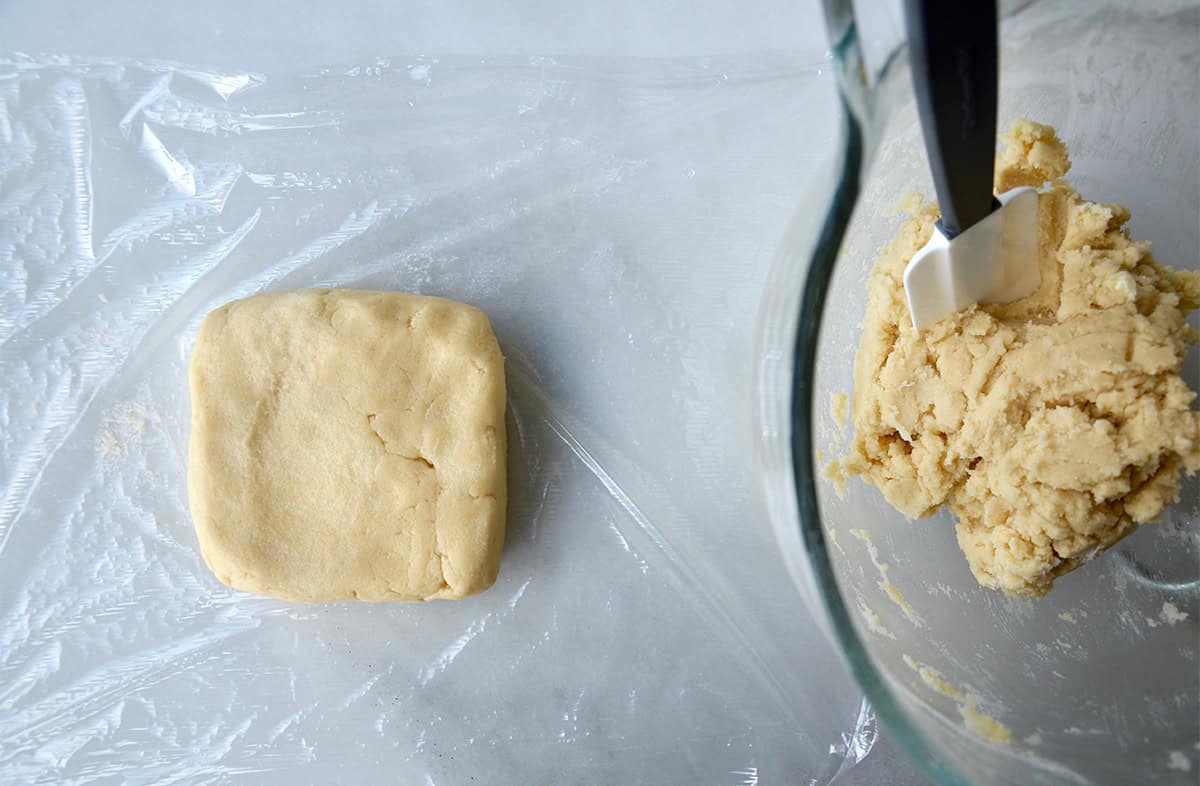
<point>1052,426</point>
<point>348,445</point>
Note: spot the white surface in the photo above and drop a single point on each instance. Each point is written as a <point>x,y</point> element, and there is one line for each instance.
<point>615,217</point>
<point>277,34</point>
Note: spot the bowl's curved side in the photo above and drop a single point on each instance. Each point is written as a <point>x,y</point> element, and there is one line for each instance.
<point>940,658</point>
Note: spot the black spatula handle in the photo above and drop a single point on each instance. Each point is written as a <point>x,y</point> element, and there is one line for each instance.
<point>952,45</point>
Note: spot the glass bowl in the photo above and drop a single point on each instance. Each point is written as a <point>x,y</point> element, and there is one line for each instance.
<point>1098,682</point>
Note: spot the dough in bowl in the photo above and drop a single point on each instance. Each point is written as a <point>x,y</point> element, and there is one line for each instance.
<point>1052,426</point>
<point>348,445</point>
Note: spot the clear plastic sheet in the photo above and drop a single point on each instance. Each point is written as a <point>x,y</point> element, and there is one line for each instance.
<point>616,218</point>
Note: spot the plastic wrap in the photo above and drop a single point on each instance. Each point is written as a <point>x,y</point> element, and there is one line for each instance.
<point>615,218</point>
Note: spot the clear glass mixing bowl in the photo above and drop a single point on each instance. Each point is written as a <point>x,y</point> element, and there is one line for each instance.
<point>1099,682</point>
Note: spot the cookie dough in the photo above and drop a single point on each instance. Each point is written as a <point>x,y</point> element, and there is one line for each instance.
<point>348,445</point>
<point>1051,426</point>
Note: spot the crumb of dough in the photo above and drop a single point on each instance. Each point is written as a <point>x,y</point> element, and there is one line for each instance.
<point>839,408</point>
<point>1171,614</point>
<point>834,473</point>
<point>1067,616</point>
<point>898,598</point>
<point>124,425</point>
<point>934,679</point>
<point>874,623</point>
<point>885,584</point>
<point>109,445</point>
<point>984,725</point>
<point>1178,760</point>
<point>1051,426</point>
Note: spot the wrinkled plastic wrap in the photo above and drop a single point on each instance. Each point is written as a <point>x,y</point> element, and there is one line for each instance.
<point>615,219</point>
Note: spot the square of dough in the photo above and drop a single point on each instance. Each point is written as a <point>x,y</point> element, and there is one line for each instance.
<point>348,445</point>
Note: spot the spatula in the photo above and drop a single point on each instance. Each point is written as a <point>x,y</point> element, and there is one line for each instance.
<point>985,248</point>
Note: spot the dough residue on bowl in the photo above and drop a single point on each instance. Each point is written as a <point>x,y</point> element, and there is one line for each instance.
<point>1051,426</point>
<point>978,723</point>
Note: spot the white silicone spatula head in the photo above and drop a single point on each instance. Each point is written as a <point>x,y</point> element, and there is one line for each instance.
<point>984,249</point>
<point>994,261</point>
